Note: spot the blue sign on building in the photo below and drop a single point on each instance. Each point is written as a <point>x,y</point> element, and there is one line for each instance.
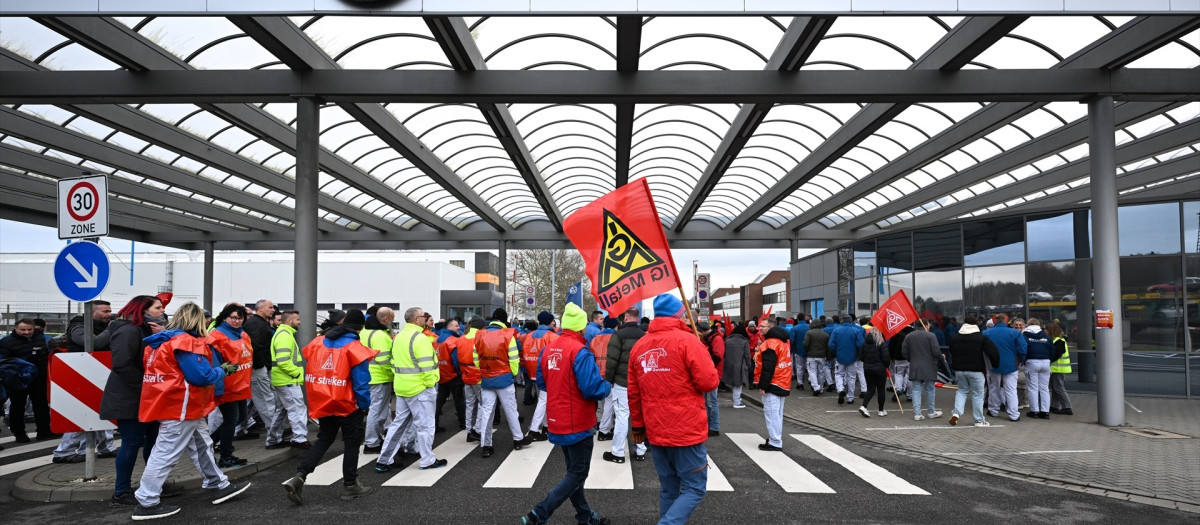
<point>81,271</point>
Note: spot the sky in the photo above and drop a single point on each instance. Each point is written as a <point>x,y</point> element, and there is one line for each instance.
<point>727,267</point>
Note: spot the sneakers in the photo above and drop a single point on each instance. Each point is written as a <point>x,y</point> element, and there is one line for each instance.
<point>864,411</point>
<point>231,462</point>
<point>123,500</point>
<point>519,444</point>
<point>918,417</point>
<point>935,414</point>
<point>377,449</point>
<point>841,397</point>
<point>769,447</point>
<point>295,489</point>
<point>381,468</point>
<point>356,490</point>
<point>170,489</point>
<point>609,456</point>
<point>982,424</point>
<point>953,420</point>
<point>739,406</point>
<point>596,519</point>
<point>472,437</point>
<point>302,445</point>
<point>882,413</point>
<point>154,512</point>
<point>1032,415</point>
<point>816,392</point>
<point>639,457</point>
<point>604,436</point>
<point>531,519</point>
<point>233,489</point>
<point>73,458</point>
<point>436,464</point>
<point>537,436</point>
<point>486,452</point>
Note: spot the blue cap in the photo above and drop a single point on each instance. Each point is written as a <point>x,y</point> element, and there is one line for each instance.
<point>667,305</point>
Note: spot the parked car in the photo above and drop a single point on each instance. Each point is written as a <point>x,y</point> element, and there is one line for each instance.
<point>1040,296</point>
<point>1192,284</point>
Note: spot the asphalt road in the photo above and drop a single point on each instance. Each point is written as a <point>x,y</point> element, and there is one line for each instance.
<point>954,495</point>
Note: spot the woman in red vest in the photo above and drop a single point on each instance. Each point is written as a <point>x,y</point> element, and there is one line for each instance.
<point>178,390</point>
<point>232,346</point>
<point>773,374</point>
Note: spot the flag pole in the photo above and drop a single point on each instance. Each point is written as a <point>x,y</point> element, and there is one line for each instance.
<point>695,329</point>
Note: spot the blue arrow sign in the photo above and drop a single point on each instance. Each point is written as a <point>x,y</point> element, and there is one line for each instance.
<point>81,271</point>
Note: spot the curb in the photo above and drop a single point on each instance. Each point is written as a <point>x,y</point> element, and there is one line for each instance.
<point>28,487</point>
<point>1093,488</point>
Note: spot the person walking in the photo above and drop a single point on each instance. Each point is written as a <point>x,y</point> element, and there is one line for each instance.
<point>1002,377</point>
<point>970,352</point>
<point>716,351</point>
<point>180,385</point>
<point>737,357</point>
<point>616,371</point>
<point>22,344</point>
<point>471,377</point>
<point>799,356</point>
<point>1060,402</point>
<point>568,376</point>
<point>773,378</point>
<point>899,364</point>
<point>669,373</point>
<point>287,377</point>
<point>414,363</point>
<point>846,342</point>
<point>449,381</point>
<point>337,382</point>
<point>816,347</point>
<point>258,327</point>
<point>1037,369</point>
<point>234,347</point>
<point>123,392</point>
<point>498,362</point>
<point>923,352</point>
<point>875,360</point>
<point>377,335</point>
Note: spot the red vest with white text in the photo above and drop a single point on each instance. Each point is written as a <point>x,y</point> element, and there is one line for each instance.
<point>446,371</point>
<point>166,395</point>
<point>782,377</point>
<point>567,412</point>
<point>492,346</point>
<point>327,377</point>
<point>240,353</point>
<point>531,348</point>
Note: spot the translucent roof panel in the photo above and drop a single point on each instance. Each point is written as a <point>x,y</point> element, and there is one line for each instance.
<point>1183,52</point>
<point>672,145</point>
<point>737,43</point>
<point>876,43</point>
<point>357,42</point>
<point>1043,41</point>
<point>203,42</point>
<point>546,42</point>
<point>574,147</point>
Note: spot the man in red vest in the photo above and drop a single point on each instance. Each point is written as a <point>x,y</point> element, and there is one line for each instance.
<point>499,363</point>
<point>571,381</point>
<point>337,381</point>
<point>773,377</point>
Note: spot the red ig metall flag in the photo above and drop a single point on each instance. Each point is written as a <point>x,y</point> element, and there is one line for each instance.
<point>896,313</point>
<point>623,246</point>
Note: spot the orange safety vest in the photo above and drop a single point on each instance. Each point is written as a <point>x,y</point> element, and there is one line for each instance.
<point>782,377</point>
<point>240,353</point>
<point>492,346</point>
<point>446,371</point>
<point>531,348</point>
<point>466,360</point>
<point>327,377</point>
<point>166,394</point>
<point>599,346</point>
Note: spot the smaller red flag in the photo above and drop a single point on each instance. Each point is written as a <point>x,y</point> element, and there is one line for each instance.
<point>896,313</point>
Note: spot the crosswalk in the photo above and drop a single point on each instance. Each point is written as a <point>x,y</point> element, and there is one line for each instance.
<point>521,469</point>
<point>10,452</point>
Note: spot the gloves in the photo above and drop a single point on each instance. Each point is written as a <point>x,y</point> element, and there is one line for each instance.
<point>638,435</point>
<point>229,368</point>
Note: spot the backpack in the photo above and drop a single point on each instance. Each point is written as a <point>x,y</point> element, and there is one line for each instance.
<point>15,374</point>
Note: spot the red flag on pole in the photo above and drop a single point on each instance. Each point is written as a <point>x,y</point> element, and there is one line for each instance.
<point>624,247</point>
<point>896,313</point>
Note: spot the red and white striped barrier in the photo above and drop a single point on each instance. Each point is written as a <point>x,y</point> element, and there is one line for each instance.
<point>76,386</point>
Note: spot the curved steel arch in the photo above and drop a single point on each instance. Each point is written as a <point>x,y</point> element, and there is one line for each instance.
<point>432,107</point>
<point>686,36</point>
<point>693,63</point>
<point>634,170</point>
<point>556,192</point>
<point>531,132</point>
<point>688,138</point>
<point>449,122</point>
<point>588,148</point>
<point>539,36</point>
<point>683,122</point>
<point>354,47</point>
<point>763,159</point>
<point>403,65</point>
<point>558,63</point>
<point>552,138</point>
<point>689,105</point>
<point>773,148</point>
<point>213,44</point>
<point>666,147</point>
<point>551,106</point>
<point>875,39</point>
<point>1035,43</point>
<point>564,159</point>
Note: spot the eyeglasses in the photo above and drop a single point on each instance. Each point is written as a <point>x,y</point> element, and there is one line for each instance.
<point>233,318</point>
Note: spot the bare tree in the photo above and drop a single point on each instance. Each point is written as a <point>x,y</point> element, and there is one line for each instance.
<point>533,268</point>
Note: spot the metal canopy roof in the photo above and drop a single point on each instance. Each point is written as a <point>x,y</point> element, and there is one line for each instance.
<point>455,132</point>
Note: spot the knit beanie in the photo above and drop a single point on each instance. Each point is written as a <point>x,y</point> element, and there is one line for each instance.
<point>574,318</point>
<point>667,305</point>
<point>545,318</point>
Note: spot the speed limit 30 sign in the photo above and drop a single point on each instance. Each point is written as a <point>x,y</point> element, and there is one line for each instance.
<point>83,207</point>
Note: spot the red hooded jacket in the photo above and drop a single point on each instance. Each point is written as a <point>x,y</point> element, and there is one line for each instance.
<point>670,370</point>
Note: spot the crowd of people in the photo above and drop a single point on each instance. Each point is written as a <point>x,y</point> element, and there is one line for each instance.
<point>196,384</point>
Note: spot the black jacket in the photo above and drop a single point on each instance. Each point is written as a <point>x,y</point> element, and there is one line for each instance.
<point>875,357</point>
<point>967,352</point>
<point>769,360</point>
<point>616,367</point>
<point>260,333</point>
<point>32,350</point>
<point>816,342</point>
<point>123,391</point>
<point>75,332</point>
<point>897,342</point>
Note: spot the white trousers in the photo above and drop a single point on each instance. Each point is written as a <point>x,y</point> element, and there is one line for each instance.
<point>174,439</point>
<point>472,396</point>
<point>817,370</point>
<point>487,413</point>
<point>773,414</point>
<point>606,414</point>
<point>900,376</point>
<point>417,412</point>
<point>798,366</point>
<point>263,395</point>
<point>737,395</point>
<point>846,375</point>
<point>862,377</point>
<point>539,413</point>
<point>1002,389</point>
<point>620,431</point>
<point>75,443</point>
<point>289,409</point>
<point>1037,384</point>
<point>379,415</point>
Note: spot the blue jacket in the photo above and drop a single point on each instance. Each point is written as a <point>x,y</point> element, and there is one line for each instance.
<point>1011,346</point>
<point>360,375</point>
<point>592,330</point>
<point>796,338</point>
<point>444,334</point>
<point>829,328</point>
<point>592,387</point>
<point>847,338</point>
<point>1038,343</point>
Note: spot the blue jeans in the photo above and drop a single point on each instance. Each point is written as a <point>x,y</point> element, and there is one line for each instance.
<point>714,413</point>
<point>134,435</point>
<point>683,476</point>
<point>579,461</point>
<point>922,390</point>
<point>972,381</point>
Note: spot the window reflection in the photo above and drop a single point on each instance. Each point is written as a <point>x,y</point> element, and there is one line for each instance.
<point>1191,227</point>
<point>864,259</point>
<point>998,289</point>
<point>939,295</point>
<point>994,242</point>
<point>894,253</point>
<point>870,292</point>
<point>1050,237</point>
<point>1058,280</point>
<point>1149,230</point>
<point>937,248</point>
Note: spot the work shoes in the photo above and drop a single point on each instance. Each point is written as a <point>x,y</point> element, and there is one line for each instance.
<point>953,419</point>
<point>154,512</point>
<point>356,490</point>
<point>537,436</point>
<point>295,489</point>
<point>487,451</point>
<point>277,446</point>
<point>381,468</point>
<point>22,437</point>
<point>302,445</point>
<point>472,437</point>
<point>73,458</point>
<point>604,436</point>
<point>609,456</point>
<point>531,519</point>
<point>519,444</point>
<point>769,447</point>
<point>841,397</point>
<point>597,520</point>
<point>377,449</point>
<point>233,489</point>
<point>639,457</point>
<point>436,464</point>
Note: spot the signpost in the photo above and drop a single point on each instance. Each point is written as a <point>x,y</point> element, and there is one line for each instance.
<point>83,207</point>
